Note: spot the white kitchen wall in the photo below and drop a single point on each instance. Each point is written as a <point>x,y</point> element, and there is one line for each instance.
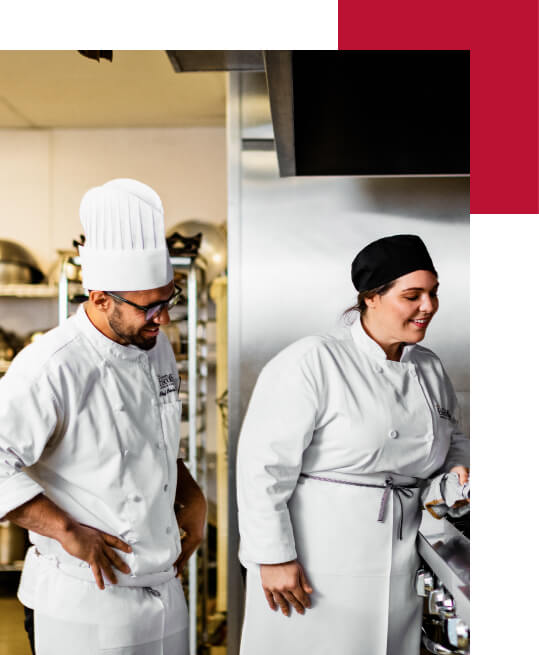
<point>44,173</point>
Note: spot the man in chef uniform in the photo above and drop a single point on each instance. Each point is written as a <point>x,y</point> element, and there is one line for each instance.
<point>89,437</point>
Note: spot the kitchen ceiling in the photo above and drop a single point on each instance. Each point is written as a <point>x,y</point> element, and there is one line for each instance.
<point>45,89</point>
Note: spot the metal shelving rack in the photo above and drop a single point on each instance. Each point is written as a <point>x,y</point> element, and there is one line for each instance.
<point>193,269</point>
<point>197,390</point>
<point>28,291</point>
<point>25,292</point>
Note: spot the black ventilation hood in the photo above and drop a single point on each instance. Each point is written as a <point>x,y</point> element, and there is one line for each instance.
<point>371,113</point>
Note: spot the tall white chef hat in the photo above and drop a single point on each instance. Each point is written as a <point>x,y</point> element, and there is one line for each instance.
<point>125,247</point>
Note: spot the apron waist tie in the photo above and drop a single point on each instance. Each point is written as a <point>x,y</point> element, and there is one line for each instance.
<point>388,487</point>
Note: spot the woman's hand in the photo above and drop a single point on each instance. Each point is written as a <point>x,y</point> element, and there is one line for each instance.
<point>462,472</point>
<point>286,583</point>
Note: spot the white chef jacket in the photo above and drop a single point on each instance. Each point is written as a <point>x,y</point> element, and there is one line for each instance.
<point>335,404</point>
<point>95,426</point>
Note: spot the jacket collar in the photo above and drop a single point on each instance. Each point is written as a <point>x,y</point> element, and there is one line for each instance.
<point>103,344</point>
<point>367,345</point>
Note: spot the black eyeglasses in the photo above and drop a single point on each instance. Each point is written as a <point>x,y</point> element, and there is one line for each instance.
<point>154,308</point>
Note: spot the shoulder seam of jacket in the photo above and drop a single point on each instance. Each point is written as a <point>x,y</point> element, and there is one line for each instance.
<point>35,376</point>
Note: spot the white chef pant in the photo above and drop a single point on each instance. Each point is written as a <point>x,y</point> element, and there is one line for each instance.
<point>58,637</point>
<point>118,620</point>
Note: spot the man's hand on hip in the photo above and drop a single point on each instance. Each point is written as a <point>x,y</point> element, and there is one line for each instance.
<point>96,548</point>
<point>43,516</point>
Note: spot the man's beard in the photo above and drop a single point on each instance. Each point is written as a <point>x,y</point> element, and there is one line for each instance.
<point>132,337</point>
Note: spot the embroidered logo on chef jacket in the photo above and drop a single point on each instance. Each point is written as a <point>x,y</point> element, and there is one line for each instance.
<point>444,413</point>
<point>168,383</point>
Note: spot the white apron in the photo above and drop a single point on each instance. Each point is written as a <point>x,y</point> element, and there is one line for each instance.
<point>334,407</point>
<point>364,602</point>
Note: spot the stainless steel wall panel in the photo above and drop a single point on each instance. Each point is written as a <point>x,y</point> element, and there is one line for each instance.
<point>298,239</point>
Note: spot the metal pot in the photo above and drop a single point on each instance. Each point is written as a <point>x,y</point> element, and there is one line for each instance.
<point>73,272</point>
<point>10,344</point>
<point>212,247</point>
<point>17,264</point>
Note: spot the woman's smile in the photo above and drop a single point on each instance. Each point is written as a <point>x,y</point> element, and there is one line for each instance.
<point>421,323</point>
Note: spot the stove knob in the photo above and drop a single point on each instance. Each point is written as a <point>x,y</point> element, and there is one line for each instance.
<point>424,582</point>
<point>440,603</point>
<point>458,633</point>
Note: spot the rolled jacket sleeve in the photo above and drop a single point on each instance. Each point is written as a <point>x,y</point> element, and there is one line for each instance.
<point>459,447</point>
<point>277,429</point>
<point>459,450</point>
<point>28,417</point>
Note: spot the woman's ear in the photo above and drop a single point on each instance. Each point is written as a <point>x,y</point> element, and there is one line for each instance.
<point>372,301</point>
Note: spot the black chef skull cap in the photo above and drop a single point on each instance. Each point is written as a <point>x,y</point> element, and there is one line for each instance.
<point>387,259</point>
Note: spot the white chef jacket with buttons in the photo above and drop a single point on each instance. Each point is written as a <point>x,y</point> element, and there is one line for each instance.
<point>95,426</point>
<point>334,407</point>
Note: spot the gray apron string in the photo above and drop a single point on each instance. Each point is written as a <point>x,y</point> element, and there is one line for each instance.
<point>388,487</point>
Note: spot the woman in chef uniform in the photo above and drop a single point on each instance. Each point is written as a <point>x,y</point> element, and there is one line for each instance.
<point>341,432</point>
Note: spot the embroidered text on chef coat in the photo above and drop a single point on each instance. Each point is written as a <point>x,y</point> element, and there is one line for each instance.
<point>168,383</point>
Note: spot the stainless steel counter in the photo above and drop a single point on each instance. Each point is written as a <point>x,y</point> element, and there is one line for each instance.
<point>446,551</point>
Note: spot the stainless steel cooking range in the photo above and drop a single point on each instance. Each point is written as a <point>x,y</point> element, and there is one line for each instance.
<point>444,582</point>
